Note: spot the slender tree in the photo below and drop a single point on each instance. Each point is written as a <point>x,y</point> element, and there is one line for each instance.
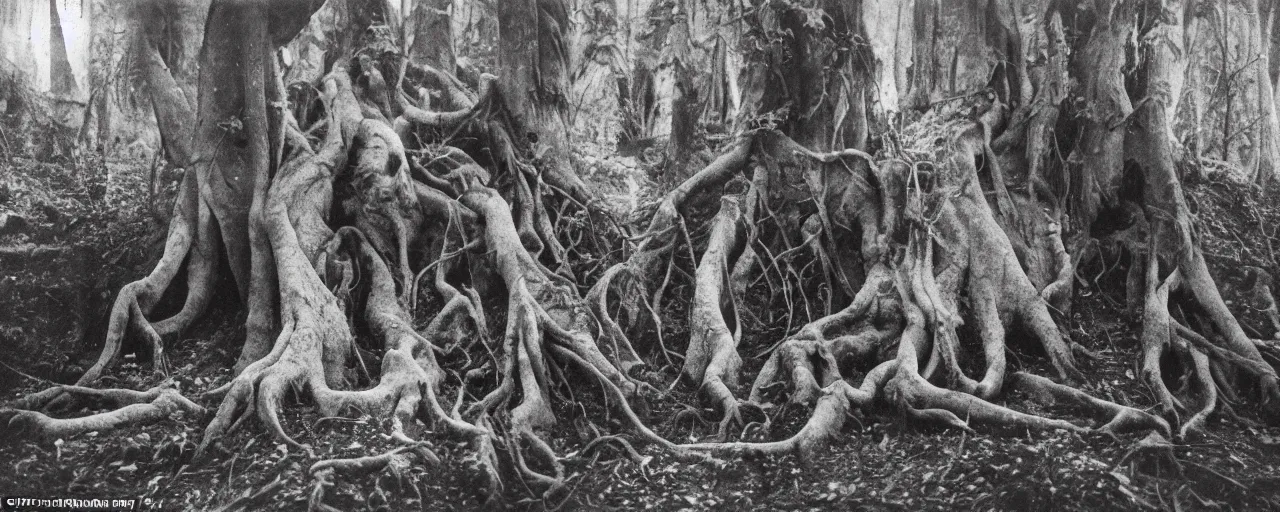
<point>62,80</point>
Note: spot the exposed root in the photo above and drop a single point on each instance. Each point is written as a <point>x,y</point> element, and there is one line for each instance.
<point>1196,423</point>
<point>397,460</point>
<point>1123,418</point>
<point>466,108</point>
<point>909,389</point>
<point>364,465</point>
<point>1156,337</point>
<point>134,407</point>
<point>314,340</point>
<point>712,359</point>
<point>920,244</point>
<point>828,417</point>
<point>813,356</point>
<point>661,236</point>
<point>190,232</point>
<point>537,303</point>
<point>640,461</point>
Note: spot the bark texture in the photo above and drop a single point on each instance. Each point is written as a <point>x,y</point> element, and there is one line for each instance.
<point>909,245</point>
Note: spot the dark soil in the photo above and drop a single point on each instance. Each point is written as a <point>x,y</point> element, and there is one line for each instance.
<point>882,462</point>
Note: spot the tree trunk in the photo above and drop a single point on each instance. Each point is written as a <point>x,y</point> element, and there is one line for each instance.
<point>62,80</point>
<point>1268,132</point>
<point>867,234</point>
<point>433,35</point>
<point>533,76</point>
<point>684,98</point>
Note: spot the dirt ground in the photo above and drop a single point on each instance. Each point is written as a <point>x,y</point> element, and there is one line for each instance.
<point>51,308</point>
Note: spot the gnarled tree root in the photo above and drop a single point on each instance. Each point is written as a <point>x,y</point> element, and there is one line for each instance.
<point>631,277</point>
<point>133,407</point>
<point>193,239</point>
<point>711,359</point>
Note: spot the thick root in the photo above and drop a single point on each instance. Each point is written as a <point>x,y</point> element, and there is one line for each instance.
<point>1122,418</point>
<point>135,408</point>
<point>363,465</point>
<point>314,340</point>
<point>191,221</point>
<point>711,359</point>
<point>656,243</point>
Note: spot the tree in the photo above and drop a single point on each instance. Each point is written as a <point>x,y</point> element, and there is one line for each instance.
<point>62,81</point>
<point>886,225</point>
<point>433,34</point>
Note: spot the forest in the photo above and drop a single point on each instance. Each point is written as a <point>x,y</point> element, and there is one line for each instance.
<point>641,254</point>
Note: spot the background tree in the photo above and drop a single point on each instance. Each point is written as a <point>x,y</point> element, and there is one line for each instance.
<point>908,189</point>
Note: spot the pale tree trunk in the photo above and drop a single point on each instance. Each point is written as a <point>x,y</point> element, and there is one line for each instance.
<point>1268,131</point>
<point>888,26</point>
<point>951,53</point>
<point>62,80</point>
<point>95,132</point>
<point>1273,51</point>
<point>684,96</point>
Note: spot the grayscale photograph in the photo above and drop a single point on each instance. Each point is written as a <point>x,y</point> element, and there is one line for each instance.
<point>684,255</point>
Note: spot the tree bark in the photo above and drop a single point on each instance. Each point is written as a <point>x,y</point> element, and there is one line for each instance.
<point>868,237</point>
<point>1268,132</point>
<point>62,80</point>
<point>533,78</point>
<point>433,35</point>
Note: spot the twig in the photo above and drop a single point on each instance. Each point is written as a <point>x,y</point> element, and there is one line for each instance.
<point>244,501</point>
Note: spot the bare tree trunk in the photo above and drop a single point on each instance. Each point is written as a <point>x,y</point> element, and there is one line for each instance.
<point>684,98</point>
<point>96,131</point>
<point>1273,51</point>
<point>433,34</point>
<point>1268,132</point>
<point>62,80</point>
<point>534,79</point>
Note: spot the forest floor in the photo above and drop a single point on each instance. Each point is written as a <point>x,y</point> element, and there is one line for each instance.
<point>881,462</point>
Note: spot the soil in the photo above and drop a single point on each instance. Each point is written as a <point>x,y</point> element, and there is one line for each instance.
<point>881,462</point>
